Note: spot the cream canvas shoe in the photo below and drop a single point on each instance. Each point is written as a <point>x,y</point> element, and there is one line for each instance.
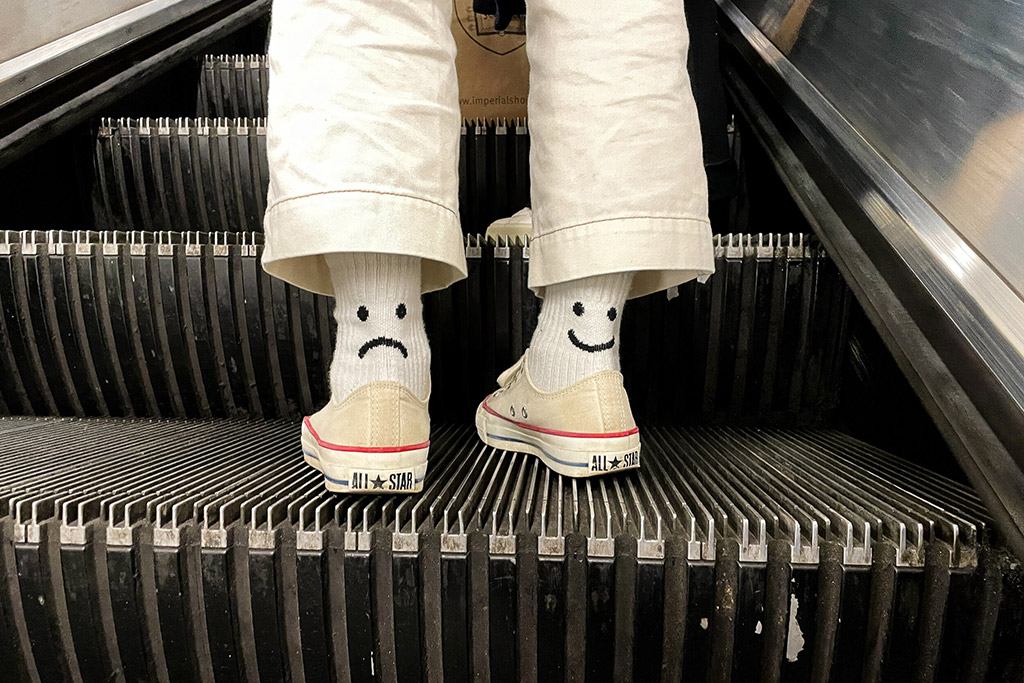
<point>517,226</point>
<point>583,430</point>
<point>375,441</point>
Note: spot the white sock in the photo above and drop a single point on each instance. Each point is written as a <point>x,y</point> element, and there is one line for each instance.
<point>578,331</point>
<point>380,323</point>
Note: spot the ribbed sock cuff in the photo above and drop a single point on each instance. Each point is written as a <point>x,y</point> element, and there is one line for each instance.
<point>379,314</point>
<point>578,331</point>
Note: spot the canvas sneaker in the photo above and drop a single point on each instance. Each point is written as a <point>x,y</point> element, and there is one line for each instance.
<point>517,226</point>
<point>583,430</point>
<point>375,441</point>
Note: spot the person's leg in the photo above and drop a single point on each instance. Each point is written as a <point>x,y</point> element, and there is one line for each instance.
<point>616,167</point>
<point>362,138</point>
<point>620,207</point>
<point>362,144</point>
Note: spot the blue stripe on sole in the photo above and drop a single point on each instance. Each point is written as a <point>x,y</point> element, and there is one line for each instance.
<point>343,482</point>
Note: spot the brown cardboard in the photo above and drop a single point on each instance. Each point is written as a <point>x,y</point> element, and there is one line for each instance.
<point>494,76</point>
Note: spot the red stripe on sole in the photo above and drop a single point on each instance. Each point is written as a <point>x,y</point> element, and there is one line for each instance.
<point>360,449</point>
<point>556,432</point>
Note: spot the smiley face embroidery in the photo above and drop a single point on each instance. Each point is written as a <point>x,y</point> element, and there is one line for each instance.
<point>382,342</point>
<point>579,310</point>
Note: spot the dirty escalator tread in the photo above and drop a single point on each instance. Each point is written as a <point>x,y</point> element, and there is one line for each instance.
<point>229,504</point>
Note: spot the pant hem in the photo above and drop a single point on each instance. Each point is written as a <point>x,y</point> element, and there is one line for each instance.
<point>300,230</point>
<point>662,252</point>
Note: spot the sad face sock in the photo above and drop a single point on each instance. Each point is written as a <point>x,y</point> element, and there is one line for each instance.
<point>380,323</point>
<point>578,331</point>
<point>381,334</point>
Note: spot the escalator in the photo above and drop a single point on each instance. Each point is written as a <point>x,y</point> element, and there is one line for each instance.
<point>802,513</point>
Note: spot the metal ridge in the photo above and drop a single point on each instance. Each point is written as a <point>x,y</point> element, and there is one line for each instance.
<point>703,485</point>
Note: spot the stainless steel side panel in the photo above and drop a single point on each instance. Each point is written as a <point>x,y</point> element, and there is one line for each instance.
<point>29,24</point>
<point>937,87</point>
<point>44,40</point>
<point>898,129</point>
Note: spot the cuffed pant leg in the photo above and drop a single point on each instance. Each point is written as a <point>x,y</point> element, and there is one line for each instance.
<point>362,137</point>
<point>616,167</point>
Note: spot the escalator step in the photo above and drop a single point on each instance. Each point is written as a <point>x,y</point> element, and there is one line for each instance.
<point>189,325</point>
<point>201,549</point>
<point>233,86</point>
<point>210,174</point>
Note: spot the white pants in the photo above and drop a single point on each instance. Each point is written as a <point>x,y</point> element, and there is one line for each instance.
<point>363,141</point>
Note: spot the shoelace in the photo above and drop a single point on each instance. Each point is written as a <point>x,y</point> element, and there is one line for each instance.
<point>516,374</point>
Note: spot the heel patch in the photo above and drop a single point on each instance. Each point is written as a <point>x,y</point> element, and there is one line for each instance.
<point>607,463</point>
<point>401,480</point>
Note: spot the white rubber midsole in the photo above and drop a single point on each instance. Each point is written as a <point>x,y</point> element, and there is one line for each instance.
<point>362,472</point>
<point>570,456</point>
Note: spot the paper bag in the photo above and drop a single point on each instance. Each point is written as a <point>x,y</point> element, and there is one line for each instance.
<point>494,76</point>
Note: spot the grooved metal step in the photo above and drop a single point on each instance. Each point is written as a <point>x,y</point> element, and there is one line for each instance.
<point>211,174</point>
<point>804,487</point>
<point>233,86</point>
<point>189,325</point>
<point>195,548</point>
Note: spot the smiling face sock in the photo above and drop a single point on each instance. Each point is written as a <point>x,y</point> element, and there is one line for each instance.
<point>578,330</point>
<point>380,323</point>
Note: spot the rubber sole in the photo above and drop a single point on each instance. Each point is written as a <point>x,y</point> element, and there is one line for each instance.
<point>357,471</point>
<point>570,456</point>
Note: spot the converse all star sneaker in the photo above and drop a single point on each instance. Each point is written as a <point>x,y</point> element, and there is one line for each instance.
<point>517,226</point>
<point>583,430</point>
<point>375,441</point>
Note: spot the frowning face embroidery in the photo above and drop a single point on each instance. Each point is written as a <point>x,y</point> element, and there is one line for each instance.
<point>382,342</point>
<point>597,324</point>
